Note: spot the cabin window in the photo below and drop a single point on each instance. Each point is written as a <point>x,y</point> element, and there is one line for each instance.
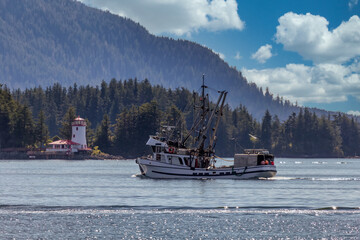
<point>177,161</point>
<point>73,135</point>
<point>77,128</point>
<point>158,157</point>
<point>186,160</point>
<point>158,149</point>
<point>153,148</point>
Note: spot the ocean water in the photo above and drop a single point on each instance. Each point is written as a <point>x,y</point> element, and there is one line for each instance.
<point>57,199</point>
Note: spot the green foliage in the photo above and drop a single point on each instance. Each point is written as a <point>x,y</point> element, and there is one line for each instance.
<point>136,115</point>
<point>133,128</point>
<point>66,129</point>
<point>41,131</point>
<point>6,114</point>
<point>55,138</point>
<point>266,131</point>
<point>103,135</point>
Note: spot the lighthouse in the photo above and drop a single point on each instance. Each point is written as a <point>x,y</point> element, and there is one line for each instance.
<point>76,145</point>
<point>79,132</point>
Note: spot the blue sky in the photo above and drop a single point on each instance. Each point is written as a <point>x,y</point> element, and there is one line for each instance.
<point>306,51</point>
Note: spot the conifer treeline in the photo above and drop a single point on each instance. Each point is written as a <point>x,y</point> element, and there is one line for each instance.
<point>122,114</point>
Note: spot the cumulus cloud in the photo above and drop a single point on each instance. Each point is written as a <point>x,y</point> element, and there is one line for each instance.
<point>310,36</point>
<point>355,113</point>
<point>262,54</point>
<point>322,83</point>
<point>352,3</point>
<point>177,17</point>
<point>238,56</point>
<point>221,55</point>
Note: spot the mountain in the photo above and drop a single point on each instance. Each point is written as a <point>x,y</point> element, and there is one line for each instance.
<point>47,41</point>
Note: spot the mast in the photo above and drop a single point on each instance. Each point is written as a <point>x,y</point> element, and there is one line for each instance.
<point>202,136</point>
<point>200,118</point>
<point>204,122</point>
<point>219,114</point>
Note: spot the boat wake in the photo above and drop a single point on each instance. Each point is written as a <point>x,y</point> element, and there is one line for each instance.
<point>284,178</point>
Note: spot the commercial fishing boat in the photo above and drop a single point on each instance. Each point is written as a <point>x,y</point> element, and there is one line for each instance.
<point>171,159</point>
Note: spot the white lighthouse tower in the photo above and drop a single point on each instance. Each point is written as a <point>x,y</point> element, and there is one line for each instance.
<point>79,132</point>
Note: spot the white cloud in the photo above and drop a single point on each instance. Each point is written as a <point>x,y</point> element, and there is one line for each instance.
<point>352,3</point>
<point>355,113</point>
<point>310,37</point>
<point>263,53</point>
<point>177,17</point>
<point>221,55</point>
<point>238,56</point>
<point>322,83</point>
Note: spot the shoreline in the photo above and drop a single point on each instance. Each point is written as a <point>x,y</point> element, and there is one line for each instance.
<point>55,156</point>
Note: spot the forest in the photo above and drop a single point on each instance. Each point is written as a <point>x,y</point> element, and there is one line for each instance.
<point>122,114</point>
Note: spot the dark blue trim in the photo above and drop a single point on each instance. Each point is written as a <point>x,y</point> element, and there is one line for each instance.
<point>217,175</point>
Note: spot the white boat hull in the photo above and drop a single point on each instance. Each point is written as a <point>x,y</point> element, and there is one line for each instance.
<point>160,170</point>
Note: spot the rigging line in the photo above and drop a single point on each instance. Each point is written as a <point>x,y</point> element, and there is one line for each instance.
<point>213,89</point>
<point>212,98</point>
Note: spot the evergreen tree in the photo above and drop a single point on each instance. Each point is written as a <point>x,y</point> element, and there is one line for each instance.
<point>23,128</point>
<point>289,130</point>
<point>276,136</point>
<point>103,135</point>
<point>6,104</point>
<point>41,130</point>
<point>266,131</point>
<point>331,139</point>
<point>355,139</point>
<point>66,129</point>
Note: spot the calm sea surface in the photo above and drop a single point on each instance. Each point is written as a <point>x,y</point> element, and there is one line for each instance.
<point>308,199</point>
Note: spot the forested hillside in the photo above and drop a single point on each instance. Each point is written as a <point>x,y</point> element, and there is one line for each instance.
<point>43,42</point>
<point>122,114</point>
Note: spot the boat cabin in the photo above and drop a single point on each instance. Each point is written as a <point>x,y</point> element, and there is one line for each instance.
<point>253,157</point>
<point>162,152</point>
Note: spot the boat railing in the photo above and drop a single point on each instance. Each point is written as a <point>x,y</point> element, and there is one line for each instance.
<point>256,151</point>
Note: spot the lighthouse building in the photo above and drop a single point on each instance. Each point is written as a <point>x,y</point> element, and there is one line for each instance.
<point>77,142</point>
<point>79,132</point>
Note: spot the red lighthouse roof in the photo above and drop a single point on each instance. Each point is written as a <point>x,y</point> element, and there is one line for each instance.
<point>79,119</point>
<point>64,142</point>
<point>79,122</point>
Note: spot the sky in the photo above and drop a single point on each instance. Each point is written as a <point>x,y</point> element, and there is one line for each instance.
<point>306,51</point>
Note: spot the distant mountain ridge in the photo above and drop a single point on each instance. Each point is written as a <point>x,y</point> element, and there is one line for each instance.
<point>47,41</point>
